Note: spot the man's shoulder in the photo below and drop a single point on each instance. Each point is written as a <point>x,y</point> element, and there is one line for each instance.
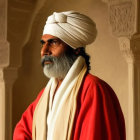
<point>92,79</point>
<point>93,85</point>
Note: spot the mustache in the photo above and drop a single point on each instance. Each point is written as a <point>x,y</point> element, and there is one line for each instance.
<point>46,58</point>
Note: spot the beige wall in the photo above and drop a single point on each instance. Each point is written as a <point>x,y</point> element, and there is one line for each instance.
<point>106,59</point>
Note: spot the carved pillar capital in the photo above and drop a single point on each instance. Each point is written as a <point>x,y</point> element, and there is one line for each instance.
<point>130,48</point>
<point>122,17</point>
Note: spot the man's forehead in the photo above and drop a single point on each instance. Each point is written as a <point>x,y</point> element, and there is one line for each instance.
<point>46,37</point>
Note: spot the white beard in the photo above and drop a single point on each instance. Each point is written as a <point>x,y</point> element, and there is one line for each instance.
<point>59,67</point>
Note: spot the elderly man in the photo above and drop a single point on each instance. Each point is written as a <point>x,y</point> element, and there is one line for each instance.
<point>74,105</point>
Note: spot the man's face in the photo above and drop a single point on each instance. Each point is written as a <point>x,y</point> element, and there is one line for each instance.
<point>52,46</point>
<point>57,57</point>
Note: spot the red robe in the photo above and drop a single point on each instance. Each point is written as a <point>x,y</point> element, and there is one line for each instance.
<point>98,115</point>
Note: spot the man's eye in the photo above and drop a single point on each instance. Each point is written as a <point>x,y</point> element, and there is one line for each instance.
<point>42,42</point>
<point>53,42</point>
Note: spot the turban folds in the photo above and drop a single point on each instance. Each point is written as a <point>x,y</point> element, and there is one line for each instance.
<point>75,29</point>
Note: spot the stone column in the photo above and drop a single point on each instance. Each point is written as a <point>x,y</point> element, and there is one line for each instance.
<point>19,35</point>
<point>4,61</point>
<point>10,75</point>
<point>123,17</point>
<point>7,77</point>
<point>130,49</point>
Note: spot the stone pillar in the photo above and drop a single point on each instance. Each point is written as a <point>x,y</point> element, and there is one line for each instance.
<point>4,61</point>
<point>7,77</point>
<point>130,49</point>
<point>10,75</point>
<point>11,59</point>
<point>123,17</point>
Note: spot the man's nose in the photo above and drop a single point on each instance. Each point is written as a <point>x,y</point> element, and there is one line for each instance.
<point>45,50</point>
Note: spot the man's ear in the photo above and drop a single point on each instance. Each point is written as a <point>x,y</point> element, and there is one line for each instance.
<point>77,51</point>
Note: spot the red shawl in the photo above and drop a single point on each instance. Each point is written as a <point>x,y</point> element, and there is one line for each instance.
<point>98,115</point>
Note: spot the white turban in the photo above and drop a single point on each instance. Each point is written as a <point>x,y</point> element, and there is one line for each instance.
<point>75,29</point>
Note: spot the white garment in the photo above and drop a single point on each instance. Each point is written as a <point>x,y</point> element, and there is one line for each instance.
<point>59,113</point>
